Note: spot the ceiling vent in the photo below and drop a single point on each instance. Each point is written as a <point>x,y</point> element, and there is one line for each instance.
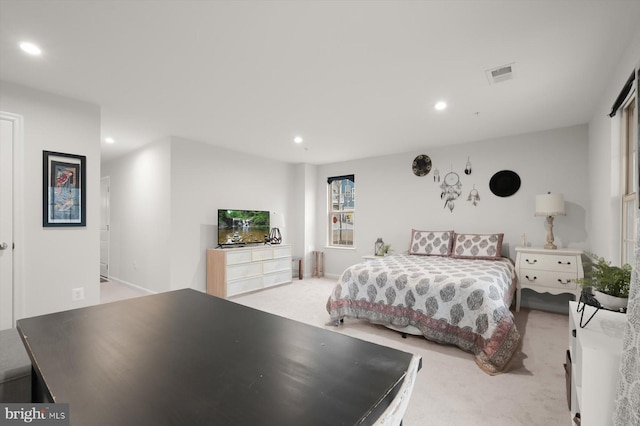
<point>500,74</point>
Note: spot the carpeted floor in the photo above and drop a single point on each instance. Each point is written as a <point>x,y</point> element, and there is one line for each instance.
<point>113,291</point>
<point>450,389</point>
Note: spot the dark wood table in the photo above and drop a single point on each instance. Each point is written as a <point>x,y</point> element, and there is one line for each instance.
<point>187,358</point>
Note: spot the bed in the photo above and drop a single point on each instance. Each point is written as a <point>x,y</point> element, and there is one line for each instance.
<point>461,300</point>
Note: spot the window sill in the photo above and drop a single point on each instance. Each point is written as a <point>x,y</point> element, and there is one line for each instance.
<point>339,248</point>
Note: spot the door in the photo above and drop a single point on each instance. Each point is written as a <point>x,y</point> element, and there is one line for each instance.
<point>6,221</point>
<point>104,227</point>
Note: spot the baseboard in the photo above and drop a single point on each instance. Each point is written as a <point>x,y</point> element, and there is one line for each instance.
<point>128,284</point>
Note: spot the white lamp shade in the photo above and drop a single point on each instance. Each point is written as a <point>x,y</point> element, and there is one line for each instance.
<point>550,205</point>
<point>277,220</point>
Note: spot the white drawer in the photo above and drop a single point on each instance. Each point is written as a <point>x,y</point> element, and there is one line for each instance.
<point>281,251</point>
<point>243,270</point>
<point>537,277</point>
<point>277,265</point>
<point>243,286</point>
<point>238,256</point>
<point>262,254</point>
<point>277,278</point>
<point>549,262</point>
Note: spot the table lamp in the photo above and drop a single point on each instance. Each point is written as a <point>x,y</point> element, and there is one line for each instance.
<point>277,222</point>
<point>550,205</point>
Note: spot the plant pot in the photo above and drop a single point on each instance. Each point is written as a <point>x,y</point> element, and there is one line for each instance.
<point>611,302</point>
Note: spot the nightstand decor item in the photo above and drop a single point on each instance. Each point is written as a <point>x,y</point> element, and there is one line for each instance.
<point>504,183</point>
<point>550,205</point>
<point>379,247</point>
<point>421,165</point>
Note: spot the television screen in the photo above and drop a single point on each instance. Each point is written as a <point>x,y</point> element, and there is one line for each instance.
<point>242,226</point>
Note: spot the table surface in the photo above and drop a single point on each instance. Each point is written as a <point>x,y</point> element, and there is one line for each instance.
<point>184,357</point>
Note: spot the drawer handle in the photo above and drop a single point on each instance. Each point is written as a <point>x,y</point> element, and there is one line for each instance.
<point>527,277</point>
<point>560,262</point>
<point>564,282</point>
<point>530,262</point>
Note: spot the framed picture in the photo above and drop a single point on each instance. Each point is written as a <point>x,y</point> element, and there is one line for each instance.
<point>63,189</point>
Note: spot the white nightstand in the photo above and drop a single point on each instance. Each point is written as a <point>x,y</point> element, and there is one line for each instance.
<point>548,271</point>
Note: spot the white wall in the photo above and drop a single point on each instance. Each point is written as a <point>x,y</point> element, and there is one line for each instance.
<point>56,260</point>
<point>305,210</point>
<point>391,200</point>
<point>604,162</point>
<point>140,218</point>
<point>205,178</point>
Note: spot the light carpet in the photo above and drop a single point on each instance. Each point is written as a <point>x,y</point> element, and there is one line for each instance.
<point>450,389</point>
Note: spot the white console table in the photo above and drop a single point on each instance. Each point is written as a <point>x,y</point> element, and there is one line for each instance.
<point>595,353</point>
<point>233,271</point>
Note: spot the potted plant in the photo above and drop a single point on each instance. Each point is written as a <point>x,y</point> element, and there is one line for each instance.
<point>610,284</point>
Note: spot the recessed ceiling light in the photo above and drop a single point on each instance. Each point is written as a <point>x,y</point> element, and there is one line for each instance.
<point>109,140</point>
<point>440,105</point>
<point>30,48</point>
<point>297,139</point>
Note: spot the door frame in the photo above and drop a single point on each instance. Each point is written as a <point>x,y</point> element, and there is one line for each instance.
<point>108,220</point>
<point>18,214</point>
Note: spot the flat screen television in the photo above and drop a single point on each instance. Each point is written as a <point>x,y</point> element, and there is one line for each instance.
<point>240,227</point>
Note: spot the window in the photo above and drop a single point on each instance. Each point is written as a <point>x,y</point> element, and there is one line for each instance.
<point>629,169</point>
<point>342,196</point>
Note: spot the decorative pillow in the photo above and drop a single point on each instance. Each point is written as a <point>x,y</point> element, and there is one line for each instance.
<point>477,246</point>
<point>431,243</point>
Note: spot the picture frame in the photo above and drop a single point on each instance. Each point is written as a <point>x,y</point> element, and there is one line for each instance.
<point>64,201</point>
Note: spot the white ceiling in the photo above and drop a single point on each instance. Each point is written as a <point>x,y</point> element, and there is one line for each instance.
<point>354,78</point>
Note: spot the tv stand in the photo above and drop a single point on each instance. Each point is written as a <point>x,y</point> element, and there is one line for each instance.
<point>238,270</point>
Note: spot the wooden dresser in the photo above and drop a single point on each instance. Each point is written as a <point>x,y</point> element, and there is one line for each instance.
<point>234,271</point>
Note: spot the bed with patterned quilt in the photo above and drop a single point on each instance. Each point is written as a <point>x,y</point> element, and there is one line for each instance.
<point>452,297</point>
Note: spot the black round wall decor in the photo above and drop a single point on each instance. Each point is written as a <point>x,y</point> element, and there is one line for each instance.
<point>505,183</point>
<point>421,165</point>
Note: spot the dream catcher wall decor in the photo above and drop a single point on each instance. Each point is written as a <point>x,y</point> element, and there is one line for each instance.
<point>451,189</point>
<point>474,197</point>
<point>467,167</point>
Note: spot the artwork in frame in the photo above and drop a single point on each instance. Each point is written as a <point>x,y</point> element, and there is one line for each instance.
<point>63,189</point>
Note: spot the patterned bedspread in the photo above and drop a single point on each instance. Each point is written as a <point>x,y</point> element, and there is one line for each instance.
<point>463,302</point>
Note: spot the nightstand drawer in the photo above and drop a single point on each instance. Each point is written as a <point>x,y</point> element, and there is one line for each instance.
<point>564,280</point>
<point>549,262</point>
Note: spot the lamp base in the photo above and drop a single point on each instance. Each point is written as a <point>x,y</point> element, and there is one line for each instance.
<point>550,238</point>
<point>274,236</point>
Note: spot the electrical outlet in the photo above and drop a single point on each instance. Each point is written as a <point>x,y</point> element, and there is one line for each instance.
<point>77,294</point>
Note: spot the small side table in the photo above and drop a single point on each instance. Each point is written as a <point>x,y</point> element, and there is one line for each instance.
<point>548,271</point>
